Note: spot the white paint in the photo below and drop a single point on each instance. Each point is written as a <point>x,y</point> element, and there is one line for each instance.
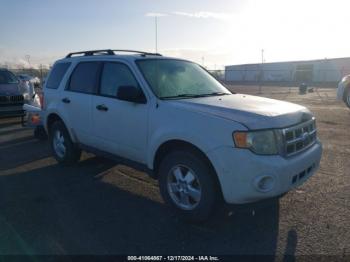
<point>136,131</point>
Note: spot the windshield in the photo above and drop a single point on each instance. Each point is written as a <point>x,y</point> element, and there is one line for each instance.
<point>24,77</point>
<point>7,77</point>
<point>170,78</point>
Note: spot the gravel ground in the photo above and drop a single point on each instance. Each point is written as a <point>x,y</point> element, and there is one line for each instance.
<point>100,207</point>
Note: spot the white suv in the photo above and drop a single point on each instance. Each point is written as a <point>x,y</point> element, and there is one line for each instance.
<point>171,118</point>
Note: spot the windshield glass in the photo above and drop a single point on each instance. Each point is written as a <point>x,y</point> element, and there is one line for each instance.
<point>25,77</point>
<point>7,77</point>
<point>170,78</point>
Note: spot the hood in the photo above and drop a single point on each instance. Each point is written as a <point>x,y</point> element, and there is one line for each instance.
<point>252,111</point>
<point>9,89</point>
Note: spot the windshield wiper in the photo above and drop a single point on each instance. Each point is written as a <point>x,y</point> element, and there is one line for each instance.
<point>181,96</point>
<point>216,94</point>
<point>195,95</point>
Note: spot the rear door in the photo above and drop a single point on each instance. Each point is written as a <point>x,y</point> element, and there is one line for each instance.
<point>120,126</point>
<point>77,99</point>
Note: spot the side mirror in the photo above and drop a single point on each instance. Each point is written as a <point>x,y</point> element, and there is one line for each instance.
<point>131,94</point>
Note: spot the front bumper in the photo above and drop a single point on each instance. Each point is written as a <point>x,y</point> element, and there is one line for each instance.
<point>33,116</point>
<point>240,171</point>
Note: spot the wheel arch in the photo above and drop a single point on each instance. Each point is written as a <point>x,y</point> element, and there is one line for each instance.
<point>176,145</point>
<point>53,117</point>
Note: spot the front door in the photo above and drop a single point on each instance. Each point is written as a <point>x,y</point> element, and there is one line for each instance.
<point>121,126</point>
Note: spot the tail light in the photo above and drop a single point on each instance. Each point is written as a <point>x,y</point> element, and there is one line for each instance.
<point>35,119</point>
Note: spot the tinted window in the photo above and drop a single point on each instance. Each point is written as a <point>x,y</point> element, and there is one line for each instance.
<point>115,75</point>
<point>84,77</point>
<point>57,73</point>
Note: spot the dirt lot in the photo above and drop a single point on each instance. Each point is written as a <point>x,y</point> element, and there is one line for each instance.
<point>100,207</point>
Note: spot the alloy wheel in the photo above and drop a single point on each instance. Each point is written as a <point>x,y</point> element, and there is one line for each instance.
<point>184,187</point>
<point>58,143</point>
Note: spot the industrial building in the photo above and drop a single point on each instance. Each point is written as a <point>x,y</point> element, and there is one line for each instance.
<point>312,71</point>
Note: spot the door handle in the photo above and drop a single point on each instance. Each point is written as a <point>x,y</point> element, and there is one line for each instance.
<point>66,100</point>
<point>102,108</point>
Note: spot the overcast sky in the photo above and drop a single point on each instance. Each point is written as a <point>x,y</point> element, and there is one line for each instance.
<point>215,33</point>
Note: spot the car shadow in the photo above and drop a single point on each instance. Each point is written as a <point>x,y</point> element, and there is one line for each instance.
<point>292,240</point>
<point>21,151</point>
<point>73,210</point>
<point>12,130</point>
<point>18,145</point>
<point>6,122</point>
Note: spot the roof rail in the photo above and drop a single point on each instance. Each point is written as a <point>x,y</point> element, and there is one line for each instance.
<point>137,52</point>
<point>109,52</point>
<point>92,52</point>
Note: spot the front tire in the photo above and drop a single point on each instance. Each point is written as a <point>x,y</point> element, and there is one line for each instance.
<point>63,149</point>
<point>188,185</point>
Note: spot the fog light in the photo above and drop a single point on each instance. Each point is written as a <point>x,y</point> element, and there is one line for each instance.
<point>264,184</point>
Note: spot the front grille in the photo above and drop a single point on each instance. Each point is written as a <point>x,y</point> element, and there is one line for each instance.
<point>11,99</point>
<point>298,138</point>
<point>18,98</point>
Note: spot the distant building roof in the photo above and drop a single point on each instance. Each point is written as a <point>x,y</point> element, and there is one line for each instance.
<point>297,61</point>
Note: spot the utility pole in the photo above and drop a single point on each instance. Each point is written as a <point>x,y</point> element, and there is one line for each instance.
<point>41,73</point>
<point>261,70</point>
<point>27,57</point>
<point>156,27</point>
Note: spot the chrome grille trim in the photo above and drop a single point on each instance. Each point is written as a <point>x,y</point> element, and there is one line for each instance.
<point>299,137</point>
<point>11,99</point>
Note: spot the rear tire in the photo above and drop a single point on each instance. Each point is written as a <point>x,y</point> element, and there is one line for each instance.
<point>63,149</point>
<point>188,185</point>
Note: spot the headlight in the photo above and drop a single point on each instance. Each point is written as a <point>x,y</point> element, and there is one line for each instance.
<point>260,142</point>
<point>26,96</point>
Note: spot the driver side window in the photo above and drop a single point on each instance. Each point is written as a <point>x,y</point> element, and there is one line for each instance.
<point>115,75</point>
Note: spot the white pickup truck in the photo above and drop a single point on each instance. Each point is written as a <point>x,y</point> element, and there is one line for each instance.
<point>172,119</point>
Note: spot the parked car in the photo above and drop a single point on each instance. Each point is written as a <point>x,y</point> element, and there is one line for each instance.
<point>33,80</point>
<point>343,91</point>
<point>13,94</point>
<point>33,119</point>
<point>172,119</point>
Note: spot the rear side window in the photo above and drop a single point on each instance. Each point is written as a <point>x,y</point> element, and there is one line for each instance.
<point>115,75</point>
<point>84,78</point>
<point>57,73</point>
